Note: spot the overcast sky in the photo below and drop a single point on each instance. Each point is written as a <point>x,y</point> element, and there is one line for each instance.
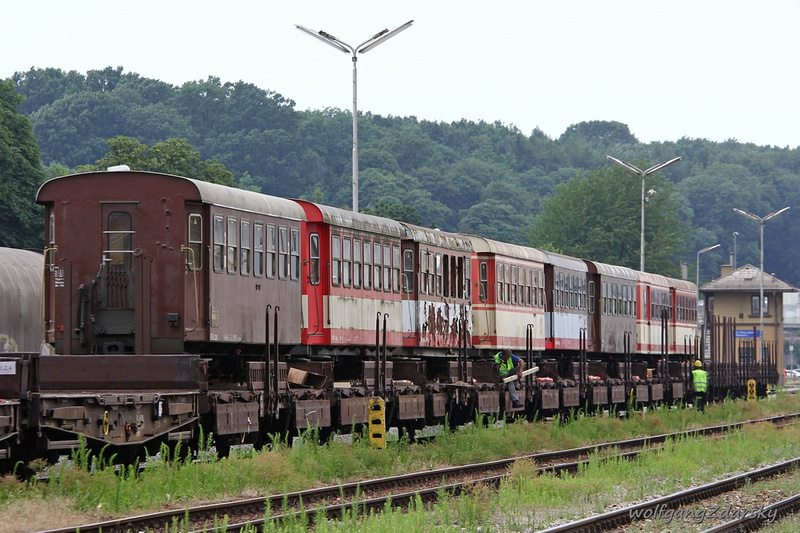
<point>714,69</point>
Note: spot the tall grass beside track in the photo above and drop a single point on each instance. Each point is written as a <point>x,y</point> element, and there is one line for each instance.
<point>74,495</point>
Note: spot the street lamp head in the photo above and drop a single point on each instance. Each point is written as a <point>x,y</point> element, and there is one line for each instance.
<point>326,38</point>
<point>382,36</point>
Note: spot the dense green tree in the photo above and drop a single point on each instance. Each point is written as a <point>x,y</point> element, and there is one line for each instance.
<point>597,215</point>
<point>450,173</point>
<point>20,175</point>
<point>173,156</point>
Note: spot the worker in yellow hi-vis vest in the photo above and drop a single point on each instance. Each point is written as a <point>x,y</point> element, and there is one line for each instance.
<point>699,385</point>
<point>510,365</point>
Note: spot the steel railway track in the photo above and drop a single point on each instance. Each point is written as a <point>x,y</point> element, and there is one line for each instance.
<point>373,494</point>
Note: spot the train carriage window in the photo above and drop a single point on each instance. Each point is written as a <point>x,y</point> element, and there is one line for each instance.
<point>446,275</point>
<point>219,243</point>
<point>378,273</point>
<point>604,299</point>
<point>460,267</point>
<point>483,281</point>
<point>590,298</point>
<point>387,267</point>
<point>258,249</point>
<point>367,264</point>
<point>244,235</point>
<point>500,283</point>
<point>408,271</point>
<point>233,244</point>
<point>294,270</point>
<point>336,260</point>
<point>52,231</point>
<point>438,274</point>
<point>541,290</point>
<point>313,259</point>
<point>357,263</point>
<point>272,256</point>
<point>508,282</point>
<point>119,234</point>
<point>346,260</point>
<point>583,293</point>
<point>423,271</point>
<point>195,259</point>
<point>283,252</point>
<point>396,268</point>
<point>467,278</point>
<point>512,284</point>
<point>454,276</point>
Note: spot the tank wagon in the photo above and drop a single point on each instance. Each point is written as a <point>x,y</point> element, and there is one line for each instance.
<point>174,306</point>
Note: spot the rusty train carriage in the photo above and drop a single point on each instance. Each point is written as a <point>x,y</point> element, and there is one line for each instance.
<point>173,303</point>
<point>509,298</point>
<point>436,287</point>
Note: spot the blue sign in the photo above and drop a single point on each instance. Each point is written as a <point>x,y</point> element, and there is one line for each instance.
<point>746,333</point>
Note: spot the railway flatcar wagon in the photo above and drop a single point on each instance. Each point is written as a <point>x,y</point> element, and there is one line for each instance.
<point>436,289</point>
<point>509,300</point>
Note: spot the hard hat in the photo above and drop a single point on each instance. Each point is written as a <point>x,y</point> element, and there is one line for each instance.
<point>698,364</point>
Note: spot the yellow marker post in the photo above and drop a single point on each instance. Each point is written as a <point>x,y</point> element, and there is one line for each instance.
<point>751,389</point>
<point>377,422</point>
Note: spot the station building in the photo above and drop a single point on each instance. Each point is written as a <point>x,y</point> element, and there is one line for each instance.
<point>735,294</point>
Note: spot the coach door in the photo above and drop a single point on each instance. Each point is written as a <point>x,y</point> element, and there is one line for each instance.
<point>115,301</point>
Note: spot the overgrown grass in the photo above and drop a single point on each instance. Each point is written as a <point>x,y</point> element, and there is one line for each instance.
<point>99,492</point>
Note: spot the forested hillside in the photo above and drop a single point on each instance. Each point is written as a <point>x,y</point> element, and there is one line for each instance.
<point>488,179</point>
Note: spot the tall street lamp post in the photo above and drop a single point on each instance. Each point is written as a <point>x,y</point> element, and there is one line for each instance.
<point>704,250</point>
<point>643,174</point>
<point>362,48</point>
<point>761,222</point>
<point>735,234</point>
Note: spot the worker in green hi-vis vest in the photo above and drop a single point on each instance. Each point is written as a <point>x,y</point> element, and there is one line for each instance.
<point>699,385</point>
<point>510,364</point>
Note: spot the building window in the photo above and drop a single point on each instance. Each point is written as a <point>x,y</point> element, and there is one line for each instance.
<point>754,309</point>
